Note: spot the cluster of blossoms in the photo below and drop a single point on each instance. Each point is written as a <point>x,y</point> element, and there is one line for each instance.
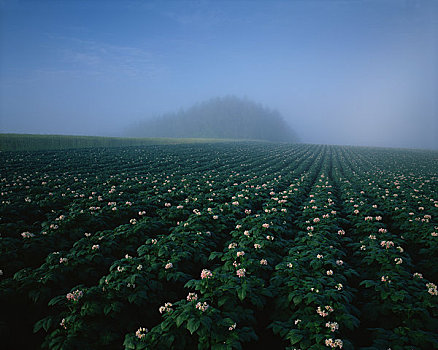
<point>75,296</point>
<point>341,232</point>
<point>270,238</point>
<point>153,241</point>
<point>385,279</point>
<point>332,325</point>
<point>241,272</point>
<point>265,225</point>
<point>315,220</point>
<point>141,213</point>
<point>319,256</point>
<point>387,244</point>
<point>432,288</point>
<point>232,245</point>
<point>289,265</point>
<point>168,266</point>
<point>337,343</point>
<point>133,221</point>
<point>27,235</point>
<point>206,274</point>
<point>417,274</point>
<point>95,247</point>
<point>63,324</point>
<point>192,297</point>
<point>383,230</point>
<point>339,286</point>
<point>339,262</point>
<point>166,308</point>
<point>329,272</point>
<point>232,327</point>
<point>263,262</point>
<point>398,261</point>
<point>324,312</point>
<point>63,260</point>
<point>202,306</point>
<point>141,333</point>
<point>241,253</point>
<point>257,246</point>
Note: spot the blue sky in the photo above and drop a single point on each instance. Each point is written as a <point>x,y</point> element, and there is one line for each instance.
<point>340,72</point>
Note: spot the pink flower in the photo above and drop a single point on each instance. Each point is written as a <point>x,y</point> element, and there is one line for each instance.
<point>432,289</point>
<point>241,273</point>
<point>206,274</point>
<point>242,253</point>
<point>265,225</point>
<point>263,262</point>
<point>168,266</point>
<point>166,308</point>
<point>141,333</point>
<point>192,297</point>
<point>202,306</point>
<point>75,296</point>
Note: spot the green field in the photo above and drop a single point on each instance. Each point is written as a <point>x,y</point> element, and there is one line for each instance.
<point>219,246</point>
<point>29,142</point>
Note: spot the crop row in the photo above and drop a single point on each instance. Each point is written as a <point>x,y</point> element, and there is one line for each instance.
<point>223,246</point>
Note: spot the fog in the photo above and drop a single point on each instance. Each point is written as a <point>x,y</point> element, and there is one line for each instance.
<point>339,72</point>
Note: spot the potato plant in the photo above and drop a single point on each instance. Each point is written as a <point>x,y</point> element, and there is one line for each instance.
<point>219,246</point>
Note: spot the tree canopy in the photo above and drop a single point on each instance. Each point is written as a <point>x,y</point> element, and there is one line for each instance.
<point>226,117</point>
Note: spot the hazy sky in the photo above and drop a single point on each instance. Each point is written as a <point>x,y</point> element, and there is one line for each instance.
<point>341,72</point>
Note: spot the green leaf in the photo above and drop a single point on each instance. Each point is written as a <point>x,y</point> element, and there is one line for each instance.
<point>179,320</point>
<point>241,293</point>
<point>193,325</point>
<point>44,323</point>
<point>294,337</point>
<point>297,299</point>
<point>56,300</point>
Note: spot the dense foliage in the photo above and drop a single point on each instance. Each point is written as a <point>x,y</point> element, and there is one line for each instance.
<point>224,118</point>
<point>219,246</point>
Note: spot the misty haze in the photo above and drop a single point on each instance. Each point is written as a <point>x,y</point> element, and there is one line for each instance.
<point>337,72</point>
<point>225,175</point>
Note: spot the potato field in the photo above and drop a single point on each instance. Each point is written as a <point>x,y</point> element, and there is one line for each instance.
<point>219,246</point>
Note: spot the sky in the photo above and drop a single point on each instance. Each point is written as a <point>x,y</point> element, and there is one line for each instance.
<point>357,72</point>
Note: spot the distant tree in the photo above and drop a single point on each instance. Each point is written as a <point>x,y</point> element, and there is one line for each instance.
<point>227,117</point>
